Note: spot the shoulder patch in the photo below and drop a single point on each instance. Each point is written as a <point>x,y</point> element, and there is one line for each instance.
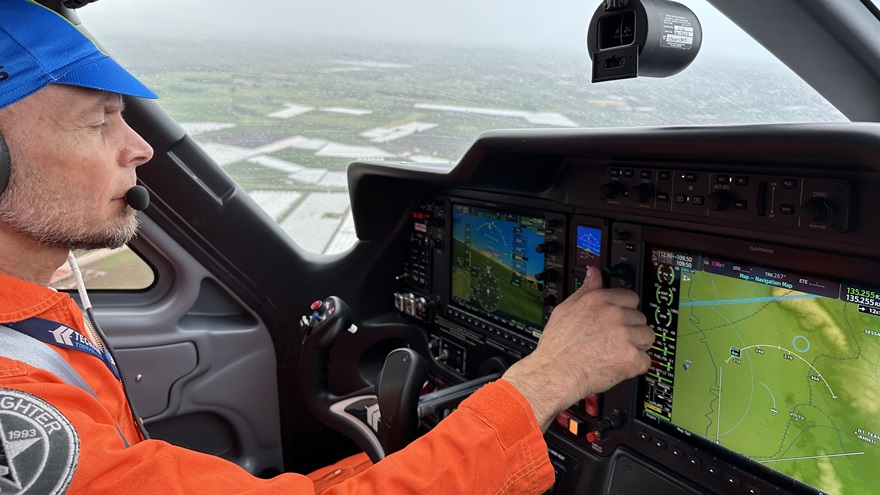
<point>39,448</point>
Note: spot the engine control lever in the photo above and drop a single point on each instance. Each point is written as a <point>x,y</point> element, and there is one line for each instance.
<point>398,387</point>
<point>380,419</point>
<point>435,401</point>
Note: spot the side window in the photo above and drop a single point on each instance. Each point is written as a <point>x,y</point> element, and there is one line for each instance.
<point>117,269</point>
<point>275,116</point>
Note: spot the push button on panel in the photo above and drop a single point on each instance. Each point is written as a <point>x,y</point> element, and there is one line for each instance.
<point>574,426</point>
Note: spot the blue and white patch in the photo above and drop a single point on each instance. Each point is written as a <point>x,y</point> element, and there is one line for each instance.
<point>39,448</point>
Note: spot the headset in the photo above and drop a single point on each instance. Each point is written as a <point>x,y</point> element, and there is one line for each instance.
<point>5,165</point>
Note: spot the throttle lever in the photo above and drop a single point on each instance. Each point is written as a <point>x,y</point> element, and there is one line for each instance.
<point>398,387</point>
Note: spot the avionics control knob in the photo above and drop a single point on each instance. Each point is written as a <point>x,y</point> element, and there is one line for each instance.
<point>547,247</point>
<point>546,276</point>
<point>611,190</point>
<point>434,345</point>
<point>718,201</point>
<point>611,422</point>
<point>642,193</point>
<point>620,270</point>
<point>550,300</point>
<point>817,209</point>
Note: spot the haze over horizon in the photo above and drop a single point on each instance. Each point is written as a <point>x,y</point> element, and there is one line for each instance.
<point>522,24</point>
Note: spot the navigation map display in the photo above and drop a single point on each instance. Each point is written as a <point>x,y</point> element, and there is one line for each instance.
<point>778,367</point>
<point>494,263</point>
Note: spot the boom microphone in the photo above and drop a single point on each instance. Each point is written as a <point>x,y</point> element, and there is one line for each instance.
<point>138,197</point>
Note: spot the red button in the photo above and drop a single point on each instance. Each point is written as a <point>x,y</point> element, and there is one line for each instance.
<point>316,305</point>
<point>591,405</point>
<point>562,419</point>
<point>593,436</point>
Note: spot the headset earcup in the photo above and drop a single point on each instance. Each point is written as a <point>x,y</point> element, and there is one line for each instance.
<point>5,165</point>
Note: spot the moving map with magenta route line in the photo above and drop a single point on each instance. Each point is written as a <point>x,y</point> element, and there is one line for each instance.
<point>777,367</point>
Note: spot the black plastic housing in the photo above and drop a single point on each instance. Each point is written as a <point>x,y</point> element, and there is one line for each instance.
<point>654,38</point>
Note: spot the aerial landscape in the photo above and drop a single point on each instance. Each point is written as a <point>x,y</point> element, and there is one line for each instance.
<point>285,117</point>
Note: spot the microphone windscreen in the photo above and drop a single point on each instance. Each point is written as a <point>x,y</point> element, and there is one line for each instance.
<point>138,197</point>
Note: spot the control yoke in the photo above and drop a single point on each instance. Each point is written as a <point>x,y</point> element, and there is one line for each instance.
<point>380,419</point>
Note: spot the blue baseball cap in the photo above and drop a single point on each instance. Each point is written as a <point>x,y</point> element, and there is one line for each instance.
<point>39,47</point>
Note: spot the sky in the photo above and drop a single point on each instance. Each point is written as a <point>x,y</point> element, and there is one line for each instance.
<point>527,24</point>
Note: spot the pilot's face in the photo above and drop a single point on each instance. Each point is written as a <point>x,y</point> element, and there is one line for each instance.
<point>73,159</point>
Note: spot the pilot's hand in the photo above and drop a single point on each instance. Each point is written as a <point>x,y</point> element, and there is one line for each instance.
<point>594,339</point>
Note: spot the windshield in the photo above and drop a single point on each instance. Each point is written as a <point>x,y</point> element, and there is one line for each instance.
<point>284,97</point>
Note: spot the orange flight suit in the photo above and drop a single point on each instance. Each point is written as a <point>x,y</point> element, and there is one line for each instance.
<point>491,444</point>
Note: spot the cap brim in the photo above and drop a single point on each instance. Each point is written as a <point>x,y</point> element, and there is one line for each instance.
<point>106,75</point>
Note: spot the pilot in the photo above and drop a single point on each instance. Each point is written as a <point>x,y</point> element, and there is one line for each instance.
<point>66,425</point>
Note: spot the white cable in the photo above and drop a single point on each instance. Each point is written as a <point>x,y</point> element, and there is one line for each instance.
<point>80,285</point>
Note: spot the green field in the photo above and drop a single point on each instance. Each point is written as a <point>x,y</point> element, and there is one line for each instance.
<point>522,303</point>
<point>803,395</point>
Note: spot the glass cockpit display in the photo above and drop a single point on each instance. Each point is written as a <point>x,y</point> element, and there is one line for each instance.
<point>494,264</point>
<point>588,252</point>
<point>777,367</point>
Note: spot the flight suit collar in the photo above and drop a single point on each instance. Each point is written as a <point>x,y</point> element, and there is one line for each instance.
<point>20,300</point>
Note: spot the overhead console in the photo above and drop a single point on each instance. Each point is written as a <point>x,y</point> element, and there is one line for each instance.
<point>756,255</point>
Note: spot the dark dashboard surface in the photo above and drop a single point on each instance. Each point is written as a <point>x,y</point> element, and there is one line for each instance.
<point>754,251</point>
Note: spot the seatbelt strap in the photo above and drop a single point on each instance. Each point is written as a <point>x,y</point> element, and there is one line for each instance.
<point>21,347</point>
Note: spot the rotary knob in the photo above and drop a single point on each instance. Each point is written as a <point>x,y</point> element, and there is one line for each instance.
<point>818,209</point>
<point>547,247</point>
<point>642,193</point>
<point>611,190</point>
<point>718,201</point>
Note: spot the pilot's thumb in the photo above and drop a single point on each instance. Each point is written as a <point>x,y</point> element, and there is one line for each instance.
<point>593,279</point>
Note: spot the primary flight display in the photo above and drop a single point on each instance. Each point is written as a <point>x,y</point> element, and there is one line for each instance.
<point>494,263</point>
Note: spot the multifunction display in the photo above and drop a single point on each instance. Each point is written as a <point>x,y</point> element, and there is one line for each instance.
<point>777,367</point>
<point>495,263</point>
